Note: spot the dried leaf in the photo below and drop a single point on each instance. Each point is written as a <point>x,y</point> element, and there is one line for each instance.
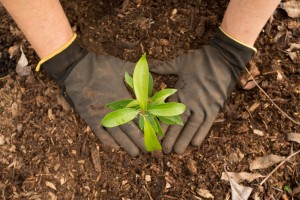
<point>238,192</point>
<point>50,185</point>
<point>246,79</point>
<point>205,193</point>
<point>295,137</point>
<point>292,8</point>
<point>13,50</point>
<point>266,161</point>
<point>292,52</point>
<point>241,176</point>
<point>22,69</point>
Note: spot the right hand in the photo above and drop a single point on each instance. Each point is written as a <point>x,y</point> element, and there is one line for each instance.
<point>89,82</point>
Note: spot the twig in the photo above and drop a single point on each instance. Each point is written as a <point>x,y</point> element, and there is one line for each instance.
<point>261,183</point>
<point>4,77</point>
<point>149,195</point>
<point>298,123</point>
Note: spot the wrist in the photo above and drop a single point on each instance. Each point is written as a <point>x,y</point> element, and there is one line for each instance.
<point>60,63</point>
<point>234,51</point>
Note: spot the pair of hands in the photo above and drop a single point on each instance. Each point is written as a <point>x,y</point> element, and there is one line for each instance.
<point>205,79</point>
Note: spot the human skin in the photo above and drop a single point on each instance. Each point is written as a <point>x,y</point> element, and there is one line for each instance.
<point>43,23</point>
<point>244,19</point>
<point>46,26</point>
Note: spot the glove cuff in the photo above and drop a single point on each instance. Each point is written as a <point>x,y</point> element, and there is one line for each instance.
<point>59,64</point>
<point>237,53</point>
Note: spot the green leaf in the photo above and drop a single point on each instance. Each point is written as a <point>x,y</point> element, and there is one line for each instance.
<point>162,95</point>
<point>167,109</point>
<point>141,81</point>
<point>119,117</point>
<point>150,138</point>
<point>129,80</point>
<point>150,86</point>
<point>141,122</point>
<point>288,189</point>
<point>159,130</point>
<point>132,104</point>
<point>171,120</point>
<point>119,104</point>
<point>150,118</point>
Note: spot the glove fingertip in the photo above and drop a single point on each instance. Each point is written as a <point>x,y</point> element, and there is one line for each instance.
<point>133,152</point>
<point>166,149</point>
<point>179,149</point>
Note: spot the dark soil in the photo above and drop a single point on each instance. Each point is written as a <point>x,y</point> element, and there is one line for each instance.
<point>48,152</point>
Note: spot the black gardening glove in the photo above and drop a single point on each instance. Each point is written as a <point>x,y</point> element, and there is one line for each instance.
<point>89,82</point>
<point>206,77</point>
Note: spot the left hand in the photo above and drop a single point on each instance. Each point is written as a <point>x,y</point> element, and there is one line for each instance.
<point>206,77</point>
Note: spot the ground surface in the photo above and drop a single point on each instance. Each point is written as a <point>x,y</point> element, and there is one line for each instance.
<point>48,152</point>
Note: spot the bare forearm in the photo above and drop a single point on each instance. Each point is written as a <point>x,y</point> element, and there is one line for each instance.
<point>44,23</point>
<point>244,19</point>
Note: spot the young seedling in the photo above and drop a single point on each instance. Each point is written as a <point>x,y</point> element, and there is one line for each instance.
<point>151,110</point>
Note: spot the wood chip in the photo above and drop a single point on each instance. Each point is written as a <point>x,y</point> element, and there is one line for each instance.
<point>192,166</point>
<point>254,107</point>
<point>258,132</point>
<point>204,193</point>
<point>50,185</point>
<point>63,103</point>
<point>51,115</point>
<point>2,140</point>
<point>14,109</point>
<point>96,158</point>
<point>147,178</point>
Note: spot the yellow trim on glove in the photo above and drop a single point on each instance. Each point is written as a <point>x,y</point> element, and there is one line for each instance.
<point>251,47</point>
<point>42,61</point>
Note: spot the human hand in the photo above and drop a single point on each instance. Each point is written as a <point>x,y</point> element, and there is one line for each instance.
<point>89,82</point>
<point>206,77</point>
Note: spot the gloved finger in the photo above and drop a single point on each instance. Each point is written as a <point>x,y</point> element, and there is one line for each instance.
<point>187,133</point>
<point>202,132</point>
<point>164,127</point>
<point>135,134</point>
<point>105,138</point>
<point>124,141</point>
<point>166,67</point>
<point>172,135</point>
<point>173,131</point>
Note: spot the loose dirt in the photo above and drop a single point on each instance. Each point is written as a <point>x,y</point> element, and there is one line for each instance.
<point>48,152</point>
